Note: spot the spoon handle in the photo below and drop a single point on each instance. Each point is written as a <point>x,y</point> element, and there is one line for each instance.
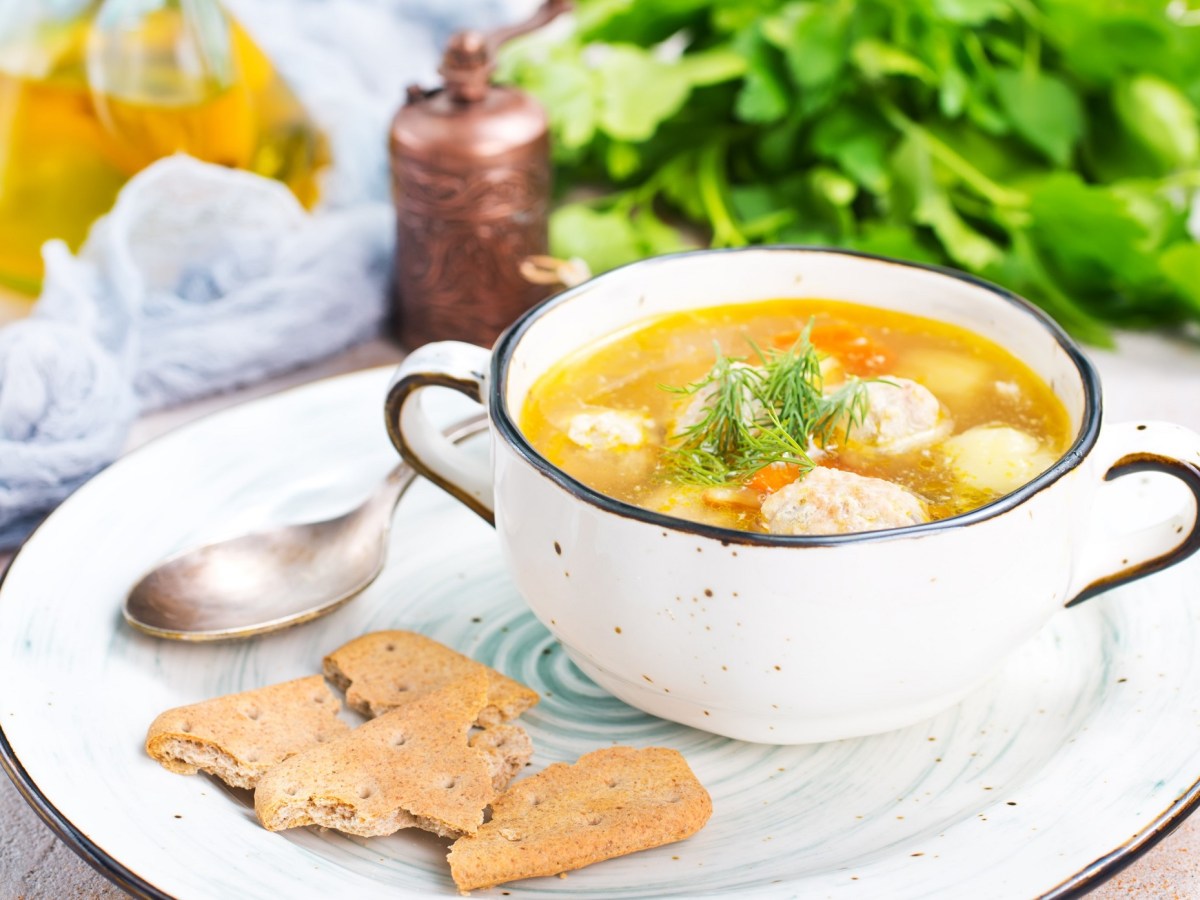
<point>401,476</point>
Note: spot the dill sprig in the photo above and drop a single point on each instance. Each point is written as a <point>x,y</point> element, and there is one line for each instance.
<point>757,414</point>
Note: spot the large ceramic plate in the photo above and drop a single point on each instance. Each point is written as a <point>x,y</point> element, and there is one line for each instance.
<point>1082,751</point>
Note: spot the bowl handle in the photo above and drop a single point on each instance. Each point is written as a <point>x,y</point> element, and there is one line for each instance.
<point>1130,448</point>
<point>423,446</point>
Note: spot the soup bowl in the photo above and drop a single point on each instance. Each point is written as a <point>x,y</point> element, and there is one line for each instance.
<point>793,639</point>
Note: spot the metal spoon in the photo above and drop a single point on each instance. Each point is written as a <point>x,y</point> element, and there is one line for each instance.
<point>268,580</point>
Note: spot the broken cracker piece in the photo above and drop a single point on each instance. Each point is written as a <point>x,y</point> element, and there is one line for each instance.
<point>611,802</point>
<point>508,747</point>
<point>410,767</point>
<point>239,737</point>
<point>387,669</point>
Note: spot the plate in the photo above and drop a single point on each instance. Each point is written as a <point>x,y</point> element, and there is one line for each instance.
<point>1080,753</point>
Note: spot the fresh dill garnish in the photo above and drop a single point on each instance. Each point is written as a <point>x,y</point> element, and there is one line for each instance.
<point>755,413</point>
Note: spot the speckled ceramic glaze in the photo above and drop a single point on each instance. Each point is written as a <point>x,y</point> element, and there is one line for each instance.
<point>794,639</point>
<point>1081,750</point>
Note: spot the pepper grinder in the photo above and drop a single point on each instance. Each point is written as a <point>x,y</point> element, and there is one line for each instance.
<point>471,182</point>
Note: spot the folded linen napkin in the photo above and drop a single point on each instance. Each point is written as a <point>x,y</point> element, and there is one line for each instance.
<point>202,279</point>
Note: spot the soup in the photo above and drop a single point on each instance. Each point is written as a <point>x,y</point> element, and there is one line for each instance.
<point>797,417</point>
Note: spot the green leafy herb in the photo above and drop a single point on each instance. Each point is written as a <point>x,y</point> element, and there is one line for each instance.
<point>1050,145</point>
<point>751,416</point>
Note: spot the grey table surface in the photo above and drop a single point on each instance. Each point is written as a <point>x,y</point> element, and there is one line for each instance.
<point>1148,376</point>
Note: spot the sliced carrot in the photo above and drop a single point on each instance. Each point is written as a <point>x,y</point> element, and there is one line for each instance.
<point>785,340</point>
<point>857,352</point>
<point>769,479</point>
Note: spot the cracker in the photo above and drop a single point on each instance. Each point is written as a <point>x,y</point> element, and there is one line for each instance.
<point>387,669</point>
<point>409,767</point>
<point>239,737</point>
<point>611,802</point>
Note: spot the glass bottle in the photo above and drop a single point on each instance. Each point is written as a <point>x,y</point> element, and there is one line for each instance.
<point>57,166</point>
<point>92,91</point>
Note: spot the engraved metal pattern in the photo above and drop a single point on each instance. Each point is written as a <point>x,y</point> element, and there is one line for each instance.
<point>461,238</point>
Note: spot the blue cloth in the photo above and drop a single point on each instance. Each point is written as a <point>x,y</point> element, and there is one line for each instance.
<point>202,279</point>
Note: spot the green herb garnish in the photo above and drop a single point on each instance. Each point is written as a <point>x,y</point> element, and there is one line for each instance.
<point>756,415</point>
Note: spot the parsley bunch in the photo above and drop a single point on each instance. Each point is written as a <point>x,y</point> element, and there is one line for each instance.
<point>1050,145</point>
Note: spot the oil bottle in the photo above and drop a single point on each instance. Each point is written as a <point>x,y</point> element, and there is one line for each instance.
<point>93,91</point>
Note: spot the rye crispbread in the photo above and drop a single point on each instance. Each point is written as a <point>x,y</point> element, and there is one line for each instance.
<point>386,669</point>
<point>611,802</point>
<point>239,737</point>
<point>411,766</point>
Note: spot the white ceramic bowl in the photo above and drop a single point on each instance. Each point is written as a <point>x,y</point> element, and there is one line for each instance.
<point>786,639</point>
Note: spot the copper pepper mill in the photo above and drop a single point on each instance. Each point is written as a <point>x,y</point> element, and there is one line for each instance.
<point>471,182</point>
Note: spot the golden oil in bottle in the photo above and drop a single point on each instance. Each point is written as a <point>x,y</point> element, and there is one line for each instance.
<point>58,167</point>
<point>184,77</point>
<point>120,85</point>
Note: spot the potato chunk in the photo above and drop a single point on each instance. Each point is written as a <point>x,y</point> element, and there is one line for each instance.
<point>830,501</point>
<point>996,457</point>
<point>951,375</point>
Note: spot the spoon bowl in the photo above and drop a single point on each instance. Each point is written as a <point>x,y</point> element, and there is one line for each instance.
<point>272,579</point>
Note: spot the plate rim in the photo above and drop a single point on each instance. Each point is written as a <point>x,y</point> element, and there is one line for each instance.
<point>1090,876</point>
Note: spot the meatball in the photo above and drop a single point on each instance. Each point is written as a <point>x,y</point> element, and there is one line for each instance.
<point>901,415</point>
<point>830,501</point>
<point>609,429</point>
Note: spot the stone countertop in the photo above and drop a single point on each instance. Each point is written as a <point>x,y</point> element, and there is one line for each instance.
<point>1147,377</point>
